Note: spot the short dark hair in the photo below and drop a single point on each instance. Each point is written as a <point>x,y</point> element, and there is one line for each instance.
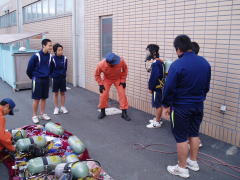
<point>195,47</point>
<point>56,46</point>
<point>182,42</point>
<point>153,49</point>
<point>45,41</point>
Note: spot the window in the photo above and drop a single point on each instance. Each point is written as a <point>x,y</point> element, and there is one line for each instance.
<point>69,5</point>
<point>8,20</point>
<point>12,19</point>
<point>45,8</point>
<point>52,7</point>
<point>29,13</point>
<point>34,11</point>
<point>60,6</point>
<point>106,35</point>
<point>39,9</point>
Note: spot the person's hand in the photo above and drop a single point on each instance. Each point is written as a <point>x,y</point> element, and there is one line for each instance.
<point>123,84</point>
<point>161,59</point>
<point>150,91</point>
<point>101,88</point>
<point>166,113</point>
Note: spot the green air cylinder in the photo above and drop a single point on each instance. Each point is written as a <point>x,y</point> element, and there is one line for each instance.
<point>72,158</point>
<point>37,165</point>
<point>23,144</point>
<point>167,65</point>
<point>54,128</point>
<point>18,134</point>
<point>76,144</point>
<point>80,170</point>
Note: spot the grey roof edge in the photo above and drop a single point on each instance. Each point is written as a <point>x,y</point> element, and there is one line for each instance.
<point>14,37</point>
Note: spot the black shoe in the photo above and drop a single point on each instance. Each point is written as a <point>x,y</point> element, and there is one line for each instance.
<point>125,116</point>
<point>102,114</point>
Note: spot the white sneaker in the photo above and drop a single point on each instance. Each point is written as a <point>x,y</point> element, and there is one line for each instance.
<point>193,165</point>
<point>63,110</point>
<point>178,171</point>
<point>35,119</point>
<point>154,124</point>
<point>152,120</point>
<point>56,110</point>
<point>45,117</point>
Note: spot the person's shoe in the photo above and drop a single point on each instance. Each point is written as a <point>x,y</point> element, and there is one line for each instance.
<point>152,120</point>
<point>193,165</point>
<point>178,171</point>
<point>35,119</point>
<point>45,117</point>
<point>125,116</point>
<point>102,114</point>
<point>63,110</point>
<point>56,111</point>
<point>155,124</point>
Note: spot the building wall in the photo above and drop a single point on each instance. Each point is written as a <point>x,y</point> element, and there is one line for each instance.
<point>12,29</point>
<point>214,24</point>
<point>59,30</point>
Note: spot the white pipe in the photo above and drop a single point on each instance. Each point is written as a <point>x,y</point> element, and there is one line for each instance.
<point>75,63</point>
<point>78,44</point>
<point>19,16</point>
<point>81,41</point>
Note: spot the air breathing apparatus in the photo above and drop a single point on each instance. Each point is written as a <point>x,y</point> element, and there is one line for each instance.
<point>18,134</point>
<point>54,128</point>
<point>40,164</point>
<point>23,145</point>
<point>152,54</point>
<point>73,170</point>
<point>76,144</point>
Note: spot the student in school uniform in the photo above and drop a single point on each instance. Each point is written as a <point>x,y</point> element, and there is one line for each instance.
<point>59,79</point>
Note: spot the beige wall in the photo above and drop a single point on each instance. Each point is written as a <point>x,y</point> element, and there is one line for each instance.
<point>213,24</point>
<point>12,29</point>
<point>59,30</point>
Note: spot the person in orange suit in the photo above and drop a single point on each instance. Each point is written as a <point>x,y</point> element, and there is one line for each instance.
<point>114,70</point>
<point>6,107</point>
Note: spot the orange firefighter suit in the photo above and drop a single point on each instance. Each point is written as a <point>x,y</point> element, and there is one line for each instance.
<point>5,136</point>
<point>112,75</point>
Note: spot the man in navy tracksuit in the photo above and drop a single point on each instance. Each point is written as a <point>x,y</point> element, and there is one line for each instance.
<point>155,84</point>
<point>185,90</point>
<point>39,70</point>
<point>59,78</point>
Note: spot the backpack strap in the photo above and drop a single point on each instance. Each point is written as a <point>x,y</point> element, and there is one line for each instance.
<point>162,81</point>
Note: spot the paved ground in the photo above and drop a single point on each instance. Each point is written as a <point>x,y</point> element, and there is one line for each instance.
<point>111,140</point>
